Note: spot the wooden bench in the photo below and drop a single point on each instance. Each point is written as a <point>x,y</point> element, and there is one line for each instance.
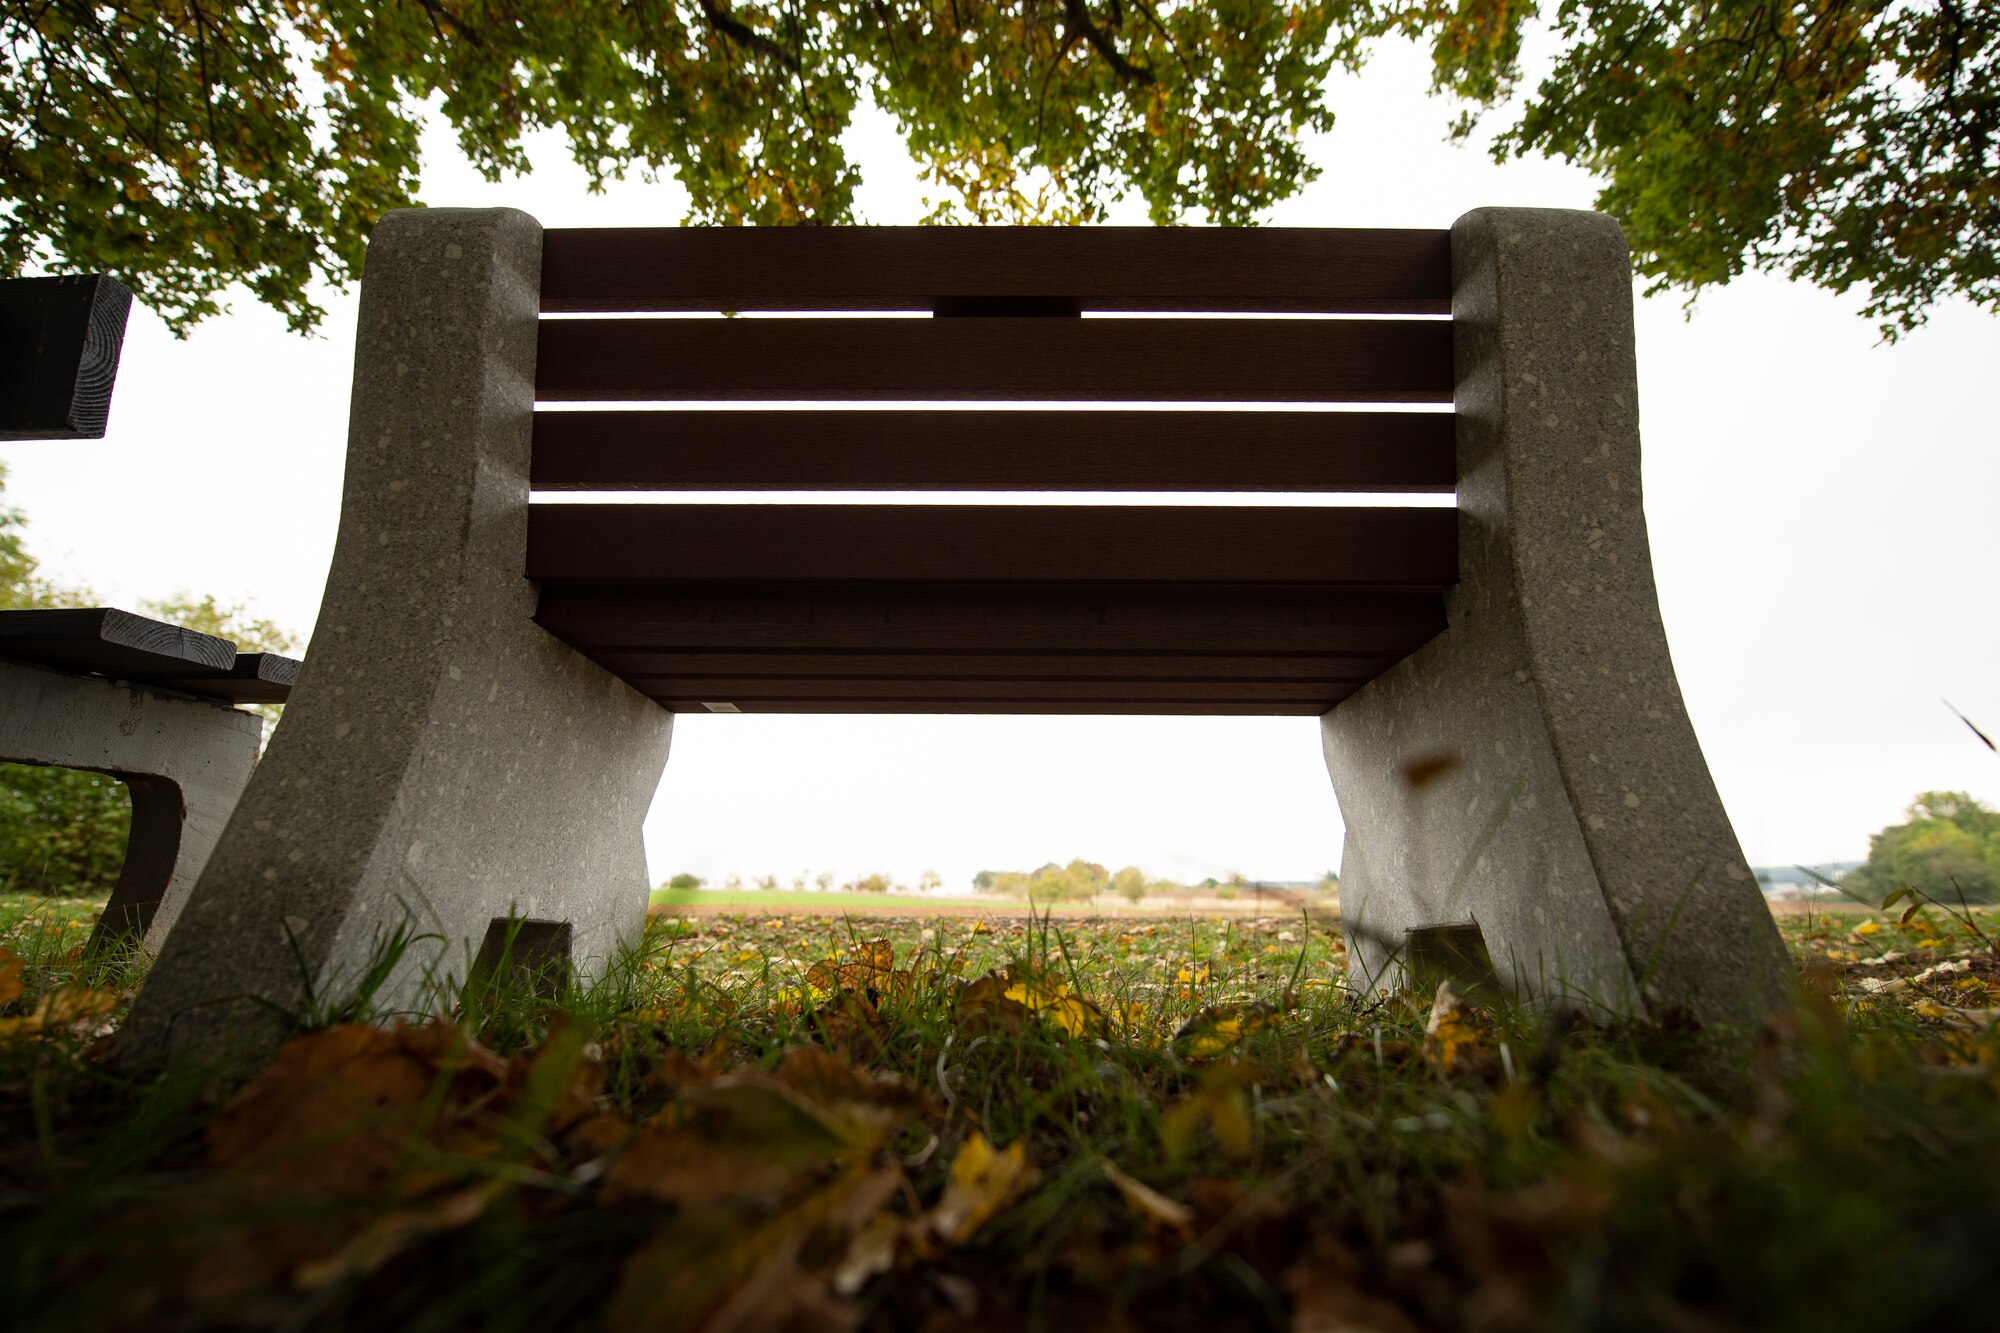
<point>152,704</point>
<point>1499,711</point>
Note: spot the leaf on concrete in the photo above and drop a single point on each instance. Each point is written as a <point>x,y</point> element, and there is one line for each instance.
<point>984,1180</point>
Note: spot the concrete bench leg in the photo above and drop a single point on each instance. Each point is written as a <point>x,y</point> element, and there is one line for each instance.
<point>184,761</point>
<point>1566,810</point>
<point>443,761</point>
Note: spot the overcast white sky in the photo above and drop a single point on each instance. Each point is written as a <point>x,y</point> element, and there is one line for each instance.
<point>1821,507</point>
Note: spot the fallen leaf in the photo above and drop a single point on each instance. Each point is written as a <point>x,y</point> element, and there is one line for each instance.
<point>1455,1038</point>
<point>983,1181</point>
<point>1215,1030</point>
<point>1327,1297</point>
<point>1218,1103</point>
<point>78,1011</point>
<point>10,976</point>
<point>393,1232</point>
<point>1155,1208</point>
<point>357,1109</point>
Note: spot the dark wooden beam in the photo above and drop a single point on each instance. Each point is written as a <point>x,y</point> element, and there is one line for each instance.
<point>1055,360</point>
<point>1142,544</point>
<point>59,344</point>
<point>973,450</point>
<point>923,268</point>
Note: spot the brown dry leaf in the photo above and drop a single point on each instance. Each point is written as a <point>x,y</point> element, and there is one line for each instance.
<point>79,1011</point>
<point>983,1006</point>
<point>393,1232</point>
<point>10,976</point>
<point>740,1270</point>
<point>983,1181</point>
<point>832,1083</point>
<point>1156,1209</point>
<point>358,1110</point>
<point>870,968</point>
<point>1326,1297</point>
<point>667,1164</point>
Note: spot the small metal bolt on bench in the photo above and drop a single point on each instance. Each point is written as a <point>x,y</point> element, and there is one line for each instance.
<point>150,703</point>
<point>487,710</point>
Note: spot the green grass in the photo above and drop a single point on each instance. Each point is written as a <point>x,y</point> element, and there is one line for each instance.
<point>771,1121</point>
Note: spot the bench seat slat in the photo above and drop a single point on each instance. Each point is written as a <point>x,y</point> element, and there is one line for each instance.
<point>1047,649</point>
<point>973,359</point>
<point>912,268</point>
<point>661,667</point>
<point>1047,619</point>
<point>971,450</point>
<point>1106,704</point>
<point>1149,544</point>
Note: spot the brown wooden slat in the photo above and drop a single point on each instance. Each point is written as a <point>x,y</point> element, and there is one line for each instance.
<point>651,670</point>
<point>1085,360</point>
<point>110,642</point>
<point>1385,547</point>
<point>972,450</point>
<point>1291,691</point>
<point>1094,707</point>
<point>915,268</point>
<point>1267,622</point>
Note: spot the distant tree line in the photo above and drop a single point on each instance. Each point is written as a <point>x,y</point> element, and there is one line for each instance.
<point>1948,849</point>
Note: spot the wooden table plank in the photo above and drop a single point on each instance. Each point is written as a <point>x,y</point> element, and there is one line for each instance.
<point>109,642</point>
<point>253,678</point>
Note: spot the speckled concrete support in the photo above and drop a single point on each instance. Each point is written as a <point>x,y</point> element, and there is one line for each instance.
<point>443,761</point>
<point>1578,826</point>
<point>185,762</point>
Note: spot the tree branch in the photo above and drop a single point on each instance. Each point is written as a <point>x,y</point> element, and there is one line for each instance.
<point>1077,19</point>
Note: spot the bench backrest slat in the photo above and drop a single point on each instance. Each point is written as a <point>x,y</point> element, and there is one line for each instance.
<point>1340,271</point>
<point>969,450</point>
<point>1051,359</point>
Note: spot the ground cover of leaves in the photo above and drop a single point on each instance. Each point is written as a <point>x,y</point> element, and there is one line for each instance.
<point>809,1123</point>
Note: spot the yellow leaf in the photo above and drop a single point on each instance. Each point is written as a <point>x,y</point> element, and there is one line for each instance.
<point>984,1180</point>
<point>1868,927</point>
